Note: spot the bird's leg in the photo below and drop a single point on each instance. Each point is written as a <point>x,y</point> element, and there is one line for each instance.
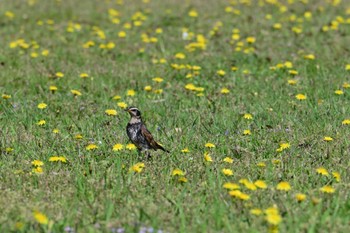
<point>148,154</point>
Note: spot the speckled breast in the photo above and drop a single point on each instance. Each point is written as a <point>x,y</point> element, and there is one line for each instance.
<point>134,133</point>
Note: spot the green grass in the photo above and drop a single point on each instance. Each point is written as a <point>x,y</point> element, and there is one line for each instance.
<point>95,191</point>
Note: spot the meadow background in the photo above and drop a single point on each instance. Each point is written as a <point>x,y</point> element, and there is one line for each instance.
<point>250,96</point>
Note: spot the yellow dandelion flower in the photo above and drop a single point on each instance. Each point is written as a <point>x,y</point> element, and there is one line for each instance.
<point>183,179</point>
<point>224,91</point>
<point>256,211</point>
<point>273,219</point>
<point>137,23</point>
<point>234,68</point>
<point>243,196</point>
<point>75,92</point>
<point>131,146</point>
<point>300,97</point>
<point>159,31</point>
<point>300,197</point>
<point>9,149</point>
<point>283,186</point>
<point>177,172</point>
<point>315,200</point>
<point>41,122</point>
<point>162,61</point>
<point>55,131</point>
<point>346,122</point>
<point>309,57</point>
<point>40,218</point>
<point>238,194</point>
<point>130,92</point>
<point>38,170</point>
<point>88,44</point>
<point>78,136</point>
<point>221,72</point>
<point>34,54</point>
<point>250,39</point>
<point>307,14</point>
<point>248,116</point>
<point>339,92</point>
<point>91,147</point>
<point>42,105</point>
<point>234,193</point>
<point>9,14</point>
<point>122,104</point>
<point>283,146</point>
<point>180,56</point>
<point>5,96</point>
<point>84,75</point>
<point>271,210</point>
<point>249,185</point>
<point>111,112</point>
<point>158,79</point>
<point>147,88</point>
<point>288,64</point>
<point>347,67</point>
<point>227,172</point>
<point>276,161</point>
<point>53,89</point>
<point>193,13</point>
<point>231,186</point>
<point>346,85</point>
<point>58,159</point>
<point>122,34</point>
<point>138,167</point>
<point>209,145</point>
<point>261,164</point>
<point>293,72</point>
<point>279,65</point>
<point>59,75</point>
<point>327,139</point>
<point>109,45</point>
<point>118,147</point>
<point>242,181</point>
<point>292,82</point>
<point>327,189</point>
<point>158,91</point>
<point>247,132</point>
<point>277,26</point>
<point>336,176</point>
<point>297,30</point>
<point>37,163</point>
<point>117,97</point>
<point>323,171</point>
<point>127,25</point>
<point>45,52</point>
<point>207,157</point>
<point>260,184</point>
<point>185,150</point>
<point>228,160</point>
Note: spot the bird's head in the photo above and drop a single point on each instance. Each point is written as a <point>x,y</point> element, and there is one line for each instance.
<point>134,112</point>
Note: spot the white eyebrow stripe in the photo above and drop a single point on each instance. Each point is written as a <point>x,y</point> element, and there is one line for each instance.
<point>133,109</point>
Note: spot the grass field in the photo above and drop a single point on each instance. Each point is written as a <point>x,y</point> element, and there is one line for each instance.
<point>250,96</point>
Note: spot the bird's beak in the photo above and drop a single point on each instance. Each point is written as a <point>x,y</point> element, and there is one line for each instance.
<point>127,110</point>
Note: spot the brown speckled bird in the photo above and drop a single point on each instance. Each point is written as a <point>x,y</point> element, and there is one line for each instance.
<point>139,134</point>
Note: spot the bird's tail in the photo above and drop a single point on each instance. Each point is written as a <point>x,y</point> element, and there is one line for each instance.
<point>162,148</point>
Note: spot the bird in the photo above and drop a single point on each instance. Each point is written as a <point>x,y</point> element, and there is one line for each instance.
<point>139,134</point>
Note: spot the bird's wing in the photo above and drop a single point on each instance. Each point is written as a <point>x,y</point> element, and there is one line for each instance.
<point>149,137</point>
